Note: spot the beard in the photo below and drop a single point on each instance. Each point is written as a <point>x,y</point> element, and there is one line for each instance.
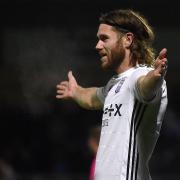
<point>114,57</point>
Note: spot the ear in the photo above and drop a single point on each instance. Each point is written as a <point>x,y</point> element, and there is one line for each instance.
<point>128,39</point>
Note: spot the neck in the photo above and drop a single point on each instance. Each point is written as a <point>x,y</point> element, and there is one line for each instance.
<point>125,65</point>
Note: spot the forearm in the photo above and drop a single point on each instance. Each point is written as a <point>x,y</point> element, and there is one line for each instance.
<point>87,98</point>
<point>150,84</point>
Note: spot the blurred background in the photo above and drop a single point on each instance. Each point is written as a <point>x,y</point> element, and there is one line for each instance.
<point>42,138</point>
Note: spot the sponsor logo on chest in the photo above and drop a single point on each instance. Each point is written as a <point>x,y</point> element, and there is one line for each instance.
<point>112,110</point>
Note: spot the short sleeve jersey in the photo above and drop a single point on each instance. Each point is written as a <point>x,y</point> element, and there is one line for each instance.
<point>130,127</point>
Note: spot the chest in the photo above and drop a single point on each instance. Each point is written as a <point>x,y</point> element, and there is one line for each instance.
<point>118,104</point>
<point>119,93</point>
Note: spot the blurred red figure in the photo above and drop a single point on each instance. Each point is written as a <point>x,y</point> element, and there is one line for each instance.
<point>93,142</point>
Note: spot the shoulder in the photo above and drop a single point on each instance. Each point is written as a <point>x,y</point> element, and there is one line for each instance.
<point>103,91</point>
<point>141,68</point>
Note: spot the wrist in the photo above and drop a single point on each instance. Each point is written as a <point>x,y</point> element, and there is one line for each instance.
<point>76,93</point>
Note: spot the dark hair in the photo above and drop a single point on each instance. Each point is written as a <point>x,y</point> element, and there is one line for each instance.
<point>130,21</point>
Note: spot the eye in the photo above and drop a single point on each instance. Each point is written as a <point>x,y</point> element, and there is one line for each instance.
<point>103,38</point>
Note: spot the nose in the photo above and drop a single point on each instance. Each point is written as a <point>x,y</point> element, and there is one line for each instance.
<point>99,45</point>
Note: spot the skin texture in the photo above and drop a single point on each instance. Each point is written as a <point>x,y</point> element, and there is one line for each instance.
<point>109,47</point>
<point>113,48</point>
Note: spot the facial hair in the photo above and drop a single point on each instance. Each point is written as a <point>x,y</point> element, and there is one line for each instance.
<point>115,57</point>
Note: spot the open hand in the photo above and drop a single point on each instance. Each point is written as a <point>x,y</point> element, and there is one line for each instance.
<point>160,64</point>
<point>66,89</point>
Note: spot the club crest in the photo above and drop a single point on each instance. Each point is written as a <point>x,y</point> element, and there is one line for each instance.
<point>120,83</point>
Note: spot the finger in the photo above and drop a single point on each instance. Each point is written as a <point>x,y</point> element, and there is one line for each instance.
<point>164,62</point>
<point>164,66</point>
<point>60,96</point>
<point>163,53</point>
<point>65,83</point>
<point>159,62</point>
<point>70,76</point>
<point>62,86</point>
<point>61,92</point>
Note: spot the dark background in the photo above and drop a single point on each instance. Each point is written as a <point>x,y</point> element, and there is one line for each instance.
<point>40,41</point>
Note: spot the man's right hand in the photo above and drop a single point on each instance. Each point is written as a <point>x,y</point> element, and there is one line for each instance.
<point>66,89</point>
<point>85,97</point>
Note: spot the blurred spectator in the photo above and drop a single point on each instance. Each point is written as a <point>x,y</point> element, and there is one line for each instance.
<point>93,142</point>
<point>6,171</point>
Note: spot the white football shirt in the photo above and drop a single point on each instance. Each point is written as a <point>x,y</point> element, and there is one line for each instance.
<point>130,127</point>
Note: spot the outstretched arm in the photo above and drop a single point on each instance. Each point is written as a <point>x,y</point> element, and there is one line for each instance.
<point>152,82</point>
<point>85,97</point>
